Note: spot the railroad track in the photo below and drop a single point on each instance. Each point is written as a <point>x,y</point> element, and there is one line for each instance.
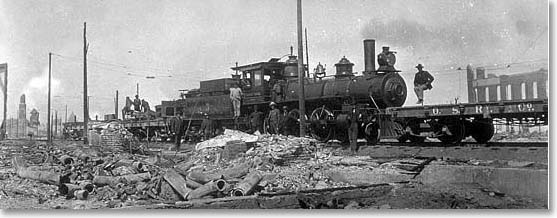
<point>466,144</point>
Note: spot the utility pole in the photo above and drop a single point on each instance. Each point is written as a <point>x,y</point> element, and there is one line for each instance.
<point>48,129</point>
<point>5,98</point>
<point>301,94</point>
<point>137,89</point>
<point>85,102</point>
<point>55,124</point>
<point>116,105</point>
<point>307,53</point>
<point>66,114</point>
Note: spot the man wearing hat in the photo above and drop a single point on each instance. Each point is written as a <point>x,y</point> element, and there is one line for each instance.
<point>274,118</point>
<point>422,81</point>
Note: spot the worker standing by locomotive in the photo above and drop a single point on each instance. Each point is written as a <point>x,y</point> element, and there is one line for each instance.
<point>276,92</point>
<point>236,96</point>
<point>207,127</point>
<point>353,131</point>
<point>422,81</point>
<point>256,120</point>
<point>285,121</point>
<point>274,118</point>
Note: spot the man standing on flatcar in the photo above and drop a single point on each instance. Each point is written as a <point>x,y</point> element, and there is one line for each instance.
<point>137,104</point>
<point>422,81</point>
<point>236,98</point>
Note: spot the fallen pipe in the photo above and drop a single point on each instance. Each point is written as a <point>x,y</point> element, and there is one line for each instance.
<point>41,176</point>
<point>202,191</point>
<point>86,185</point>
<point>66,160</point>
<point>134,178</point>
<point>177,182</point>
<point>198,177</point>
<point>245,186</point>
<point>221,184</point>
<point>192,184</point>
<point>68,189</point>
<point>106,180</point>
<point>81,194</point>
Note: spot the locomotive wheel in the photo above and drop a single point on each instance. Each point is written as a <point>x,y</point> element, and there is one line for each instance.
<point>457,130</point>
<point>320,130</point>
<point>371,134</point>
<point>482,130</point>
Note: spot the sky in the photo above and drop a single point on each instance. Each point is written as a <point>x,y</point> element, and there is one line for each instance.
<point>182,42</point>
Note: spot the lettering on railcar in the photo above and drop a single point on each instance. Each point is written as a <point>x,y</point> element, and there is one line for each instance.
<point>435,111</point>
<point>455,110</point>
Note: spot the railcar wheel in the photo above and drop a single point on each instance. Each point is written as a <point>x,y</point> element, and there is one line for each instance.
<point>482,130</point>
<point>319,127</point>
<point>456,132</point>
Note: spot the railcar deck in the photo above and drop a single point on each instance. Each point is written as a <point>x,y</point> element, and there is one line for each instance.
<point>502,109</point>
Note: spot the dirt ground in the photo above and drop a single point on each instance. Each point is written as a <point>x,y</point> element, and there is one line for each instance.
<point>19,193</point>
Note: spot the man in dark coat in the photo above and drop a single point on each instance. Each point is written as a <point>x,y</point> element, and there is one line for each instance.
<point>256,120</point>
<point>177,126</point>
<point>422,81</point>
<point>207,127</point>
<point>137,103</point>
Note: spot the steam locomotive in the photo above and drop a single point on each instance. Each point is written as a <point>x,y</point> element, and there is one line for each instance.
<point>329,98</point>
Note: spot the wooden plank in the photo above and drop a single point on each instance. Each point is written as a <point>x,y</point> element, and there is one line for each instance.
<point>315,198</point>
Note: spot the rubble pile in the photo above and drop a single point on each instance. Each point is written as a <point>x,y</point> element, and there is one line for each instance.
<point>233,164</point>
<point>115,135</point>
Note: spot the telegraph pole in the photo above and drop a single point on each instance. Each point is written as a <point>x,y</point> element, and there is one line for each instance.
<point>301,72</point>
<point>55,123</point>
<point>5,99</point>
<point>85,102</point>
<point>48,129</point>
<point>116,105</point>
<point>307,52</point>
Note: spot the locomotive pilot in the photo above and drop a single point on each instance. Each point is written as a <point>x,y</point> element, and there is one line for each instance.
<point>422,81</point>
<point>236,98</point>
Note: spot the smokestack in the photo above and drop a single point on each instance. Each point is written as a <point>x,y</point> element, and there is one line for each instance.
<point>369,55</point>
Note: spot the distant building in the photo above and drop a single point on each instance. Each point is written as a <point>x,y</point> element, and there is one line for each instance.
<point>484,87</point>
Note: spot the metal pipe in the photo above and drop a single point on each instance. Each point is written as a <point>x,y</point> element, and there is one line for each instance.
<point>245,186</point>
<point>202,191</point>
